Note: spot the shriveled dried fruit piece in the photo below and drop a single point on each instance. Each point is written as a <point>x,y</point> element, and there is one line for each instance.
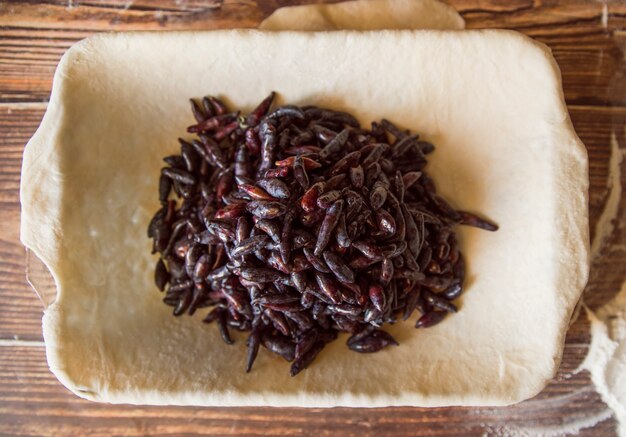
<point>341,166</point>
<point>386,271</point>
<point>253,118</point>
<point>470,219</point>
<point>225,231</point>
<point>299,172</point>
<point>327,199</point>
<point>182,176</point>
<point>266,209</point>
<point>377,296</point>
<point>242,230</point>
<point>315,261</point>
<point>223,327</point>
<point>255,192</point>
<point>374,342</point>
<point>357,176</point>
<point>230,211</point>
<point>306,342</point>
<point>259,274</point>
<point>307,358</point>
<point>267,135</point>
<point>161,275</point>
<point>385,222</point>
<point>286,243</point>
<point>430,319</point>
<point>270,227</point>
<point>254,341</point>
<point>370,250</point>
<point>336,144</point>
<point>453,291</point>
<point>249,245</point>
<point>328,287</point>
<point>343,239</point>
<point>280,345</point>
<point>328,225</point>
<point>411,302</point>
<point>287,111</point>
<point>307,163</point>
<point>439,302</point>
<point>309,199</point>
<point>275,187</point>
<point>338,267</point>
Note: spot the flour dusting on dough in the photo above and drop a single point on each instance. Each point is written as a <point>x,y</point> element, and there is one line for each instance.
<point>607,355</point>
<point>568,428</point>
<point>543,417</point>
<point>365,15</point>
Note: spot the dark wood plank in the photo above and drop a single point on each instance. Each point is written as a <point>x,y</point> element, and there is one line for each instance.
<point>33,403</point>
<point>20,309</point>
<point>33,36</point>
<point>580,34</point>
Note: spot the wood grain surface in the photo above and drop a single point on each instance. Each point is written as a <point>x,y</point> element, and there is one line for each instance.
<point>588,39</point>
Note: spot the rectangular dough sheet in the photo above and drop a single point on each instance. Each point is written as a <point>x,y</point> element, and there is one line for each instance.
<point>491,102</point>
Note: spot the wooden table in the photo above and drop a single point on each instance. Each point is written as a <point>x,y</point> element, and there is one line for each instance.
<point>588,41</point>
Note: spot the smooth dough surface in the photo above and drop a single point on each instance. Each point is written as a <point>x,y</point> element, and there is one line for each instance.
<point>491,102</point>
<point>366,15</point>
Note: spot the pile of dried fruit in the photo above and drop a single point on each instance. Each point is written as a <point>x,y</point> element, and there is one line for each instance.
<point>296,224</point>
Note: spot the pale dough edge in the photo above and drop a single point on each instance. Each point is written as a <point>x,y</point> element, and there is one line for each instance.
<point>41,206</point>
<point>362,14</point>
<point>571,164</point>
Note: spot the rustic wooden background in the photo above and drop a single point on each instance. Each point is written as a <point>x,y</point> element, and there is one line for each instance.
<point>588,40</point>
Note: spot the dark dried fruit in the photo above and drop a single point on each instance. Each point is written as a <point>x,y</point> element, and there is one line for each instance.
<point>430,319</point>
<point>178,175</point>
<point>161,275</point>
<point>328,287</point>
<point>299,172</point>
<point>377,297</point>
<point>372,343</point>
<point>249,245</point>
<point>275,187</point>
<point>470,219</point>
<point>266,209</point>
<point>338,267</point>
<point>255,116</point>
<point>295,224</point>
<point>282,346</point>
<point>307,358</point>
<point>336,144</point>
<point>309,199</point>
<point>316,262</point>
<point>255,192</point>
<point>357,176</point>
<point>328,225</point>
<point>254,341</point>
<point>259,274</point>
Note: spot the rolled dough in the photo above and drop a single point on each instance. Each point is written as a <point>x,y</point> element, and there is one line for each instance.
<point>490,100</point>
<point>366,15</point>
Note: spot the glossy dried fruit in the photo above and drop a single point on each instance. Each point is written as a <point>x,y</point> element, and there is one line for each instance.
<point>374,342</point>
<point>295,223</point>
